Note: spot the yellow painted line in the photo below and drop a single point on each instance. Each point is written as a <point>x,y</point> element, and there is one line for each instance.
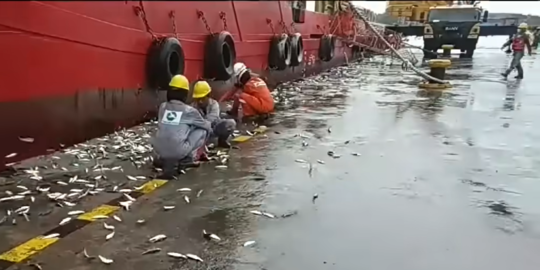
<point>102,210</point>
<point>35,245</point>
<point>27,249</point>
<point>152,185</point>
<point>241,138</point>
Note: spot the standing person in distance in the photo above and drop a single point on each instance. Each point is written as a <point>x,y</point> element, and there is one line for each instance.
<point>518,42</point>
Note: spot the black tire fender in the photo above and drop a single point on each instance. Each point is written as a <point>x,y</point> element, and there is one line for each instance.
<point>279,57</point>
<point>326,47</point>
<point>297,49</point>
<point>165,59</point>
<point>219,56</point>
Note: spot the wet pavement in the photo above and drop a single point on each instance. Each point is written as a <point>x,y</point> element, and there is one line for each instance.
<point>359,169</point>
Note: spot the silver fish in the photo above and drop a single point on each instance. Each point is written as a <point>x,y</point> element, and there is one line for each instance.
<point>356,154</point>
<point>222,167</point>
<point>76,212</point>
<point>69,204</point>
<point>125,190</point>
<point>199,193</point>
<point>22,209</point>
<point>315,196</point>
<point>105,260</point>
<point>184,189</point>
<point>259,213</point>
<point>249,243</point>
<point>141,221</point>
<point>320,161</point>
<point>100,217</point>
<point>177,255</point>
<point>61,183</point>
<point>117,218</point>
<point>45,189</point>
<point>168,207</point>
<point>11,155</point>
<point>64,221</point>
<point>131,178</point>
<point>194,257</point>
<point>157,238</point>
<point>150,251</point>
<point>211,235</point>
<point>85,253</point>
<point>25,215</point>
<point>22,187</point>
<point>269,215</point>
<point>186,198</point>
<point>52,235</point>
<point>109,236</point>
<point>12,198</point>
<point>126,204</point>
<point>108,227</point>
<point>300,161</point>
<point>129,197</point>
<point>26,192</point>
<point>36,266</point>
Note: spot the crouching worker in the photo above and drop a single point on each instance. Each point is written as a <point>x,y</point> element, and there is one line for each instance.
<point>253,93</point>
<point>209,108</point>
<point>182,131</point>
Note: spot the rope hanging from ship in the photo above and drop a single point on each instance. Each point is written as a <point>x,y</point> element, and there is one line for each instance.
<point>165,57</point>
<point>219,51</point>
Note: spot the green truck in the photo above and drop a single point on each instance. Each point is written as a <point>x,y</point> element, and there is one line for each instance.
<point>455,25</point>
<point>460,26</point>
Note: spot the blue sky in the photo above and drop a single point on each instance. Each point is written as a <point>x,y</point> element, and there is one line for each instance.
<point>523,7</point>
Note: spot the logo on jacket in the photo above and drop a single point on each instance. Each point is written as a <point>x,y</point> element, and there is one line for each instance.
<point>171,117</point>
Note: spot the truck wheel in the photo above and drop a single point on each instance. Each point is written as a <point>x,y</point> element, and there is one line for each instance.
<point>469,53</point>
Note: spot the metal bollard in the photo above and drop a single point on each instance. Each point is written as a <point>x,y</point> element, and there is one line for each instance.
<point>438,68</point>
<point>447,49</point>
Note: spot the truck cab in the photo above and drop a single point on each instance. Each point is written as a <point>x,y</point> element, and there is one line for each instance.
<point>454,25</point>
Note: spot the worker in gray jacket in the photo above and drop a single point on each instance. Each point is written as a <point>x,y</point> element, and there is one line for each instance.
<point>182,131</point>
<point>209,108</point>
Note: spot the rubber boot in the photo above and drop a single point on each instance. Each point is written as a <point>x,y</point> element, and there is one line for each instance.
<point>519,77</point>
<point>222,142</point>
<point>505,76</point>
<point>169,169</point>
<point>158,162</point>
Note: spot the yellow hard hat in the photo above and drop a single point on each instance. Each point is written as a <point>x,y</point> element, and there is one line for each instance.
<point>201,89</point>
<point>523,26</point>
<point>180,82</point>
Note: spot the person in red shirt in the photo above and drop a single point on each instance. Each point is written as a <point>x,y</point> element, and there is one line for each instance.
<point>519,42</point>
<point>252,94</point>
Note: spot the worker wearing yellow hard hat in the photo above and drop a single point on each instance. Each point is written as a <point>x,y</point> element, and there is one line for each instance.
<point>182,131</point>
<point>209,108</point>
<point>518,42</point>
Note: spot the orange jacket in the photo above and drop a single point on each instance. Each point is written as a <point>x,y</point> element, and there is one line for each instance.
<point>257,97</point>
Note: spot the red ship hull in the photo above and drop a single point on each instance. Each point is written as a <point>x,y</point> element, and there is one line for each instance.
<point>72,71</point>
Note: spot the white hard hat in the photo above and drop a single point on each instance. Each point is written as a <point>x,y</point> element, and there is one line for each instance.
<point>523,26</point>
<point>239,70</point>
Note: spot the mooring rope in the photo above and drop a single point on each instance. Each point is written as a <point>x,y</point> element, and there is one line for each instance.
<point>406,62</point>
